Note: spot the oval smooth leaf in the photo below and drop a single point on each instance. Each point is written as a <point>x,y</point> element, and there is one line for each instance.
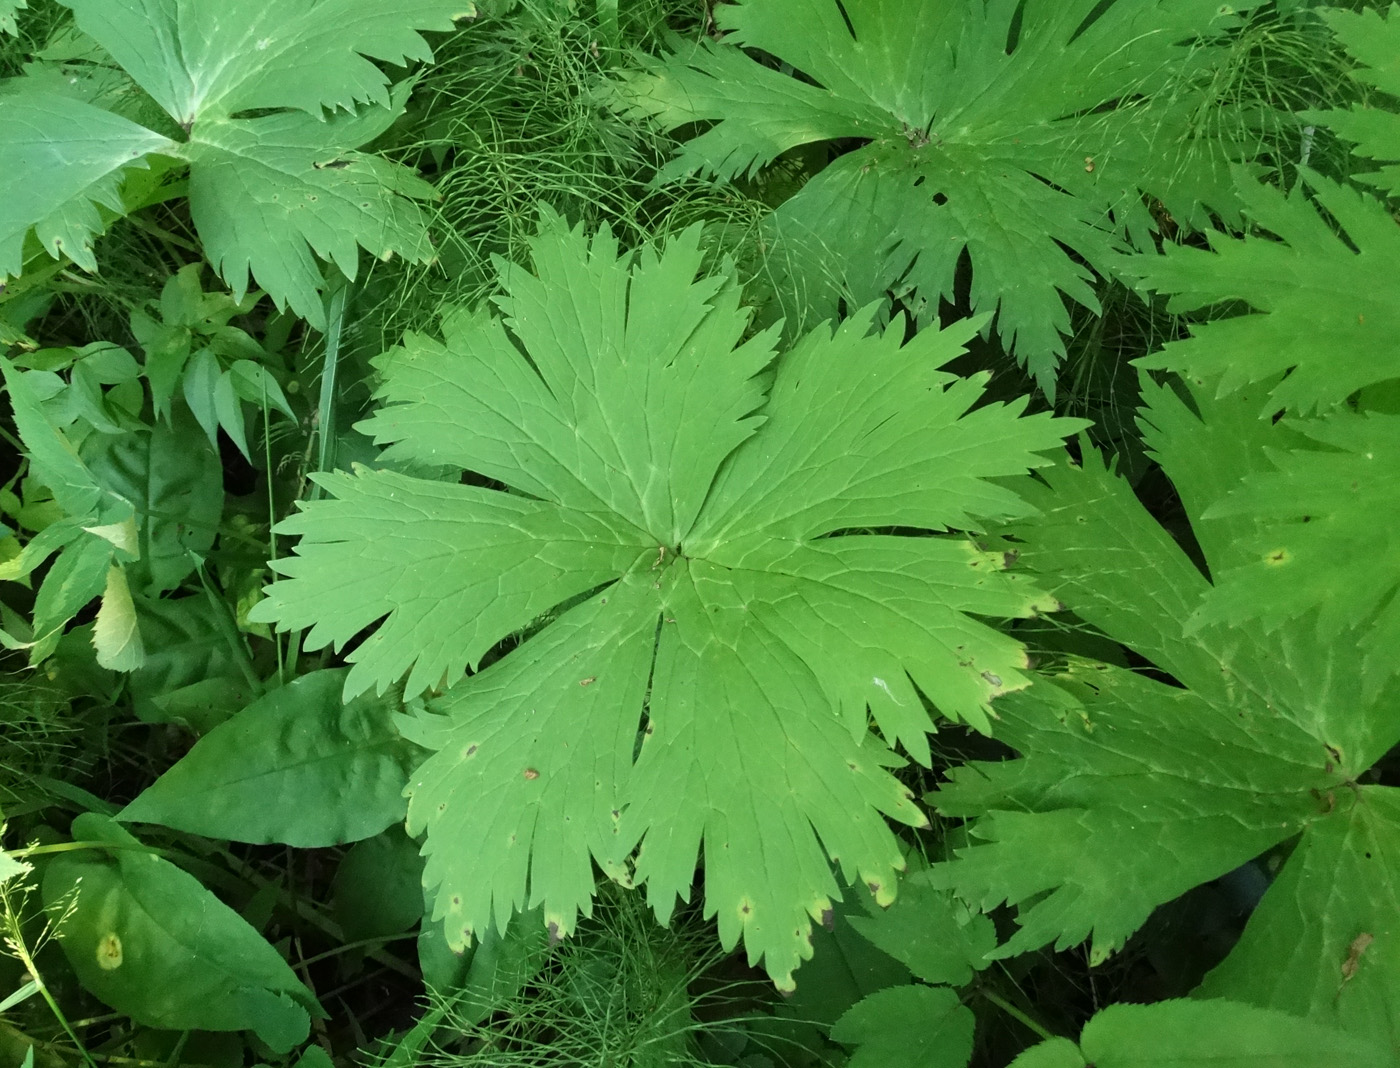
<point>150,941</point>
<point>296,766</point>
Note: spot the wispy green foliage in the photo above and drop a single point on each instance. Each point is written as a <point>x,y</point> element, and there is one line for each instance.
<point>1023,135</point>
<point>681,509</point>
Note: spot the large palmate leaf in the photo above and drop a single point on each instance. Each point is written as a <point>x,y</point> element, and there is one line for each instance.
<point>265,192</point>
<point>1321,287</point>
<point>697,551</point>
<point>1131,790</point>
<point>1021,134</point>
<point>210,60</point>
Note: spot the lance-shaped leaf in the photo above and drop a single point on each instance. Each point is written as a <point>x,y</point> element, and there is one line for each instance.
<point>337,769</point>
<point>1130,790</point>
<point>1019,133</point>
<point>151,942</point>
<point>688,546</point>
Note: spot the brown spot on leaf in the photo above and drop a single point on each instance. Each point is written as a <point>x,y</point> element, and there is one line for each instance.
<point>588,681</point>
<point>531,774</point>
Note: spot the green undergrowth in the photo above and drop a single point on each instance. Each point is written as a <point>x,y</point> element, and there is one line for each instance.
<point>772,533</point>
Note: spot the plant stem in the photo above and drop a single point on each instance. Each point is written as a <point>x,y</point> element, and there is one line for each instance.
<point>1016,1014</point>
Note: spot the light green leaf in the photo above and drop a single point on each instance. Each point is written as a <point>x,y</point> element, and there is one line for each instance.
<point>908,1027</point>
<point>1187,1034</point>
<point>338,771</point>
<point>1012,132</point>
<point>683,559</point>
<point>115,634</point>
<point>266,193</point>
<point>147,939</point>
<point>261,189</point>
<point>1325,304</point>
<point>74,579</point>
<point>230,413</point>
<point>8,9</point>
<point>201,60</point>
<point>1329,538</point>
<point>1373,40</point>
<point>10,868</point>
<point>201,378</point>
<point>1052,1053</point>
<point>63,158</point>
<point>252,382</point>
<point>52,458</point>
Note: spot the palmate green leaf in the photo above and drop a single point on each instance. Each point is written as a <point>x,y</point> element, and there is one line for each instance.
<point>147,939</point>
<point>254,182</point>
<point>1131,791</point>
<point>1330,537</point>
<point>1023,155</point>
<point>700,541</point>
<point>1187,1034</point>
<point>63,159</point>
<point>1373,39</point>
<point>1324,303</point>
<point>266,193</point>
<point>300,745</point>
<point>201,60</point>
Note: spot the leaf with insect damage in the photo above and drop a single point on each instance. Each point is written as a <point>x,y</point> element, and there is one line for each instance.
<point>1024,135</point>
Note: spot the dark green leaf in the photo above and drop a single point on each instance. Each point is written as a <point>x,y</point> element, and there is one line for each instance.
<point>296,766</point>
<point>151,942</point>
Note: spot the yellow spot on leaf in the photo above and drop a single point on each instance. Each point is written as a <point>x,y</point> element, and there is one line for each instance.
<point>109,952</point>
